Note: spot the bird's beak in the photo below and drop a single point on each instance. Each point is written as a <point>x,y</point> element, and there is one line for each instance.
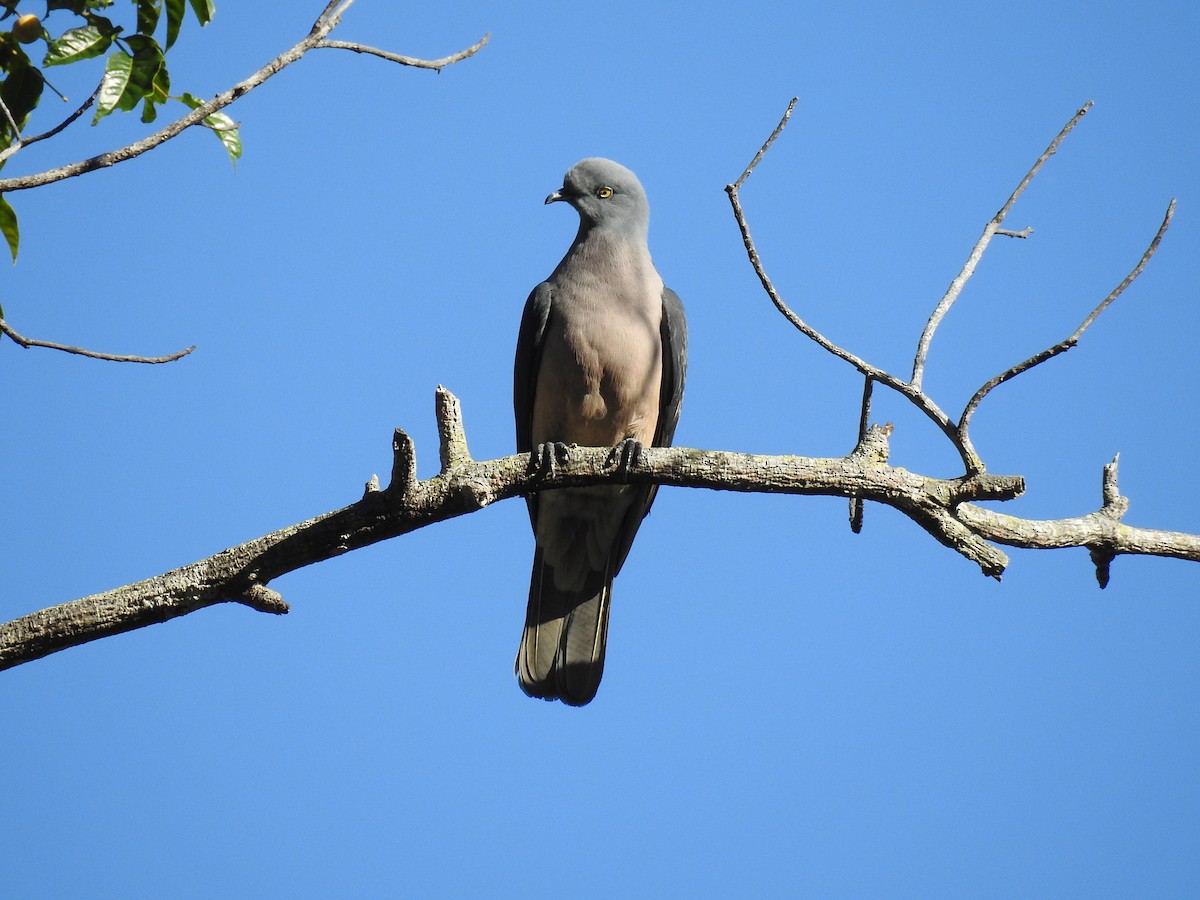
<point>556,196</point>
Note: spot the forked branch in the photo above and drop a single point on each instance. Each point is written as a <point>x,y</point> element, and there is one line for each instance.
<point>957,432</point>
<point>1065,345</point>
<point>989,231</point>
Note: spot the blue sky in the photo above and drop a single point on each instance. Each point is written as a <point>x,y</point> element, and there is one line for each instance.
<point>788,709</point>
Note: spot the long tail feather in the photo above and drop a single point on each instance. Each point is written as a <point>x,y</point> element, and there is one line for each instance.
<point>562,647</point>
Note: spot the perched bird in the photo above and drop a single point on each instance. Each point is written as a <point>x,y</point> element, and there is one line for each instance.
<point>601,358</point>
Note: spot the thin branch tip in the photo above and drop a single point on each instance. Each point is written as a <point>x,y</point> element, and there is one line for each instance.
<point>435,64</point>
<point>737,185</point>
<point>991,229</point>
<point>26,343</point>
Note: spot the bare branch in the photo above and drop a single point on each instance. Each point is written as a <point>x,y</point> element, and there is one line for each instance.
<point>992,228</point>
<point>404,466</point>
<point>787,114</point>
<point>452,437</point>
<point>919,399</point>
<point>436,64</point>
<point>331,15</point>
<point>1094,529</point>
<point>325,23</point>
<point>943,507</point>
<point>857,506</point>
<point>1064,346</point>
<point>11,121</point>
<point>25,342</point>
<point>1129,279</point>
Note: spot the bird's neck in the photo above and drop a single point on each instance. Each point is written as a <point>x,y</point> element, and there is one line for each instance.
<point>624,243</point>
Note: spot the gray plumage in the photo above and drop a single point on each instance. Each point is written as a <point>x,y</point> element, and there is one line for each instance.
<point>601,359</point>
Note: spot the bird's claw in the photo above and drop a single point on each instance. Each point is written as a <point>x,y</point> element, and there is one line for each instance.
<point>625,455</point>
<point>546,457</point>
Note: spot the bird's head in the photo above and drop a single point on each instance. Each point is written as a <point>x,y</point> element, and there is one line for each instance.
<point>606,194</point>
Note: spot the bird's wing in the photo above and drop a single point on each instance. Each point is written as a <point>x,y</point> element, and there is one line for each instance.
<point>528,361</point>
<point>674,368</point>
<point>525,371</point>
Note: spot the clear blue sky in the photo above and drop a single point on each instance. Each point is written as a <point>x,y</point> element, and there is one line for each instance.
<point>788,709</point>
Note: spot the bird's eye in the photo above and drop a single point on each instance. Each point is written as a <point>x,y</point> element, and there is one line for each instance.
<point>604,193</point>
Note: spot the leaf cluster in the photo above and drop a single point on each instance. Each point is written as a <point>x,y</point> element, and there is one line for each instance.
<point>135,70</point>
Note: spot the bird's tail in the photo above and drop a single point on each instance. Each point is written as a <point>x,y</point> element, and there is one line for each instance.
<point>562,648</point>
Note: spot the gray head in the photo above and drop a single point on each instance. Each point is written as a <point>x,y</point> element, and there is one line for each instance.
<point>606,194</point>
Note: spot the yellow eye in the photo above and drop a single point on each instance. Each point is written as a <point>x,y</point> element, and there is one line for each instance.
<point>604,193</point>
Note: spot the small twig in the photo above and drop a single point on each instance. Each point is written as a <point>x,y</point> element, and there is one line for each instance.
<point>11,121</point>
<point>25,342</point>
<point>992,228</point>
<point>1110,492</point>
<point>964,421</point>
<point>864,417</point>
<point>25,142</point>
<point>436,64</point>
<point>787,114</point>
<point>404,466</point>
<point>1137,270</point>
<point>857,506</point>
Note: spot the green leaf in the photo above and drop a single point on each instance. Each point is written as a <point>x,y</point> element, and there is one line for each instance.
<point>105,25</point>
<point>147,15</point>
<point>204,10</point>
<point>117,72</point>
<point>160,92</point>
<point>148,61</point>
<point>222,126</point>
<point>226,129</point>
<point>161,86</point>
<point>77,44</point>
<point>175,10</point>
<point>8,224</point>
<point>20,91</point>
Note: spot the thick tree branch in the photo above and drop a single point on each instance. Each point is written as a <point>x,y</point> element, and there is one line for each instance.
<point>946,508</point>
<point>241,573</point>
<point>1102,532</point>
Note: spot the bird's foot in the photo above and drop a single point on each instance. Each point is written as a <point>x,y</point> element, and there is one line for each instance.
<point>625,455</point>
<point>546,457</point>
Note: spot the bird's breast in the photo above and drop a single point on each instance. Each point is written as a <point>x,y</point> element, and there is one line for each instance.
<point>601,366</point>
